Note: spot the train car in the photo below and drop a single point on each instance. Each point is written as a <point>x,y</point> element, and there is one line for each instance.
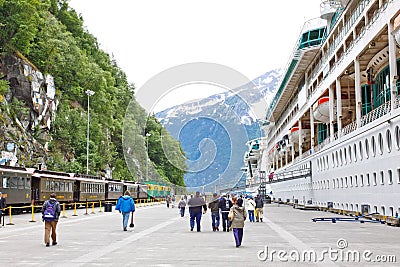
<point>46,182</point>
<point>15,184</point>
<point>114,189</point>
<point>89,188</point>
<point>137,191</point>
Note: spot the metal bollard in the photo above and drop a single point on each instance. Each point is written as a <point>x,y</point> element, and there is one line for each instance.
<point>86,213</point>
<point>63,211</point>
<point>100,207</point>
<point>92,207</point>
<point>10,223</point>
<point>75,210</point>
<point>33,213</point>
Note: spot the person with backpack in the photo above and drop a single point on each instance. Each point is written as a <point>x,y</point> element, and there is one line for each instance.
<point>225,205</point>
<point>125,205</point>
<point>50,213</point>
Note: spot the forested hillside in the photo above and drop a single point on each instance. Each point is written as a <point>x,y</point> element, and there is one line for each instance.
<point>51,36</point>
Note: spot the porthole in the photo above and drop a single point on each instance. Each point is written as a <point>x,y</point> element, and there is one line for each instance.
<point>380,143</point>
<point>337,159</point>
<point>361,150</point>
<point>382,178</point>
<point>390,176</point>
<point>373,145</point>
<point>345,155</point>
<point>389,140</point>
<point>350,154</point>
<point>397,134</point>
<point>366,148</point>
<point>355,152</point>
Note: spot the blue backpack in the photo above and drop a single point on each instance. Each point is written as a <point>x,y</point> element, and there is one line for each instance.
<point>50,213</point>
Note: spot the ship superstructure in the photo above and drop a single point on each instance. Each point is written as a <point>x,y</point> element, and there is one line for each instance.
<point>333,127</point>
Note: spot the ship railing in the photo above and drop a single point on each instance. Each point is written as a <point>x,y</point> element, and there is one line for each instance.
<point>290,175</point>
<point>376,113</point>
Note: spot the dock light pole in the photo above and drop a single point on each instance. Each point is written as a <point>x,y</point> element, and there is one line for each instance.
<point>89,94</point>
<point>147,156</point>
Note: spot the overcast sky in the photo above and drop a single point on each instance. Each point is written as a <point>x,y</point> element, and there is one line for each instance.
<point>150,36</point>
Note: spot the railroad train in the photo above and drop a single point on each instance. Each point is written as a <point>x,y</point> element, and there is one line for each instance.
<point>30,186</point>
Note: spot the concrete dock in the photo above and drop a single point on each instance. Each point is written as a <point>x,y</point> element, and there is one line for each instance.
<point>287,237</point>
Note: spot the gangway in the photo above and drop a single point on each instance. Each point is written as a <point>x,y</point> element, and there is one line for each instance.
<point>360,219</point>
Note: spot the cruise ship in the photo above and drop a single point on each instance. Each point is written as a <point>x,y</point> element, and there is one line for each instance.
<point>332,130</point>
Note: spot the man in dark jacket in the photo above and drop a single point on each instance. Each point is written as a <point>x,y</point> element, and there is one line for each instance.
<point>214,207</point>
<point>225,205</point>
<point>259,208</point>
<point>50,213</point>
<point>195,204</point>
<point>2,205</point>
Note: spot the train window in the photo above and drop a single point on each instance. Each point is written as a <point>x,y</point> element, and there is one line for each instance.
<point>27,183</point>
<point>62,186</point>
<point>56,186</point>
<point>21,182</point>
<point>51,185</point>
<point>12,182</point>
<point>5,180</point>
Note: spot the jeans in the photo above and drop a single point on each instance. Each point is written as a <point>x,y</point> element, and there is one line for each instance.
<point>182,211</point>
<point>225,221</point>
<point>193,216</point>
<point>215,219</point>
<point>125,219</point>
<point>251,215</point>
<point>238,234</point>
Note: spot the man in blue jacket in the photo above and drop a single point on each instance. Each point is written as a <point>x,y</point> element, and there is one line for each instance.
<point>125,205</point>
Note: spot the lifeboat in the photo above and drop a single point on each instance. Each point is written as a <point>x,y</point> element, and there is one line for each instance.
<point>321,109</point>
<point>294,135</point>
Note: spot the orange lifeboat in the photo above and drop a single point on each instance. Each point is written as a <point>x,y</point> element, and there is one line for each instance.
<point>321,109</point>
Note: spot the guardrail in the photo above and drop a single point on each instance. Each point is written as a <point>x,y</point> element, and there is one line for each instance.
<point>138,203</point>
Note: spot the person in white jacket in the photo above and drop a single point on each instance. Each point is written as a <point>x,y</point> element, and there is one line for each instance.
<point>251,206</point>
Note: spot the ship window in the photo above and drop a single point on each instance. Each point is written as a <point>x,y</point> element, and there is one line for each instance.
<point>389,140</point>
<point>337,159</point>
<point>333,160</point>
<point>318,165</point>
<point>345,156</point>
<point>355,180</point>
<point>368,180</point>
<point>355,153</point>
<point>349,154</point>
<point>346,184</point>
<point>373,144</point>
<point>397,134</point>
<point>334,184</point>
<point>366,148</point>
<point>390,176</point>
<point>380,142</point>
<point>361,180</point>
<point>382,178</point>
<point>361,150</point>
<point>351,181</point>
<point>375,182</point>
<point>341,182</point>
<point>341,157</point>
<point>327,162</point>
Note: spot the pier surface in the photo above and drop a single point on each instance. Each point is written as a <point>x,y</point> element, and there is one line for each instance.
<point>286,237</point>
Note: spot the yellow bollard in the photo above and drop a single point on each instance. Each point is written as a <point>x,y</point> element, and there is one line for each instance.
<point>100,207</point>
<point>92,207</point>
<point>75,210</point>
<point>10,213</point>
<point>87,204</point>
<point>63,211</point>
<point>33,213</point>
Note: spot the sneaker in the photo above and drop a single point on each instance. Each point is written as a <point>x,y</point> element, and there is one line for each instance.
<point>54,243</point>
<point>191,229</point>
<point>125,229</point>
<point>47,244</point>
<point>261,219</point>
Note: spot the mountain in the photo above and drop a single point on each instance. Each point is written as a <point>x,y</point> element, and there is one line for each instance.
<point>213,131</point>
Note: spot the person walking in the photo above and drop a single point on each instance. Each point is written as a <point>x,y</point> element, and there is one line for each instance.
<point>239,216</point>
<point>181,206</point>
<point>259,208</point>
<point>195,204</point>
<point>51,210</point>
<point>168,200</point>
<point>214,207</point>
<point>251,206</point>
<point>3,205</point>
<point>125,205</point>
<point>225,204</point>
